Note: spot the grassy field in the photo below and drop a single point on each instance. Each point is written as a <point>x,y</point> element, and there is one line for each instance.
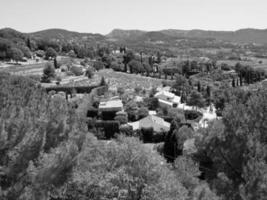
<point>25,70</point>
<point>127,81</point>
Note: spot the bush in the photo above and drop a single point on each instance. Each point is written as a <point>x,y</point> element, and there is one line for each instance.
<point>142,112</point>
<point>151,103</point>
<point>147,134</point>
<point>117,67</point>
<point>98,65</point>
<point>50,53</point>
<point>192,114</point>
<point>110,128</point>
<point>121,117</point>
<point>89,72</point>
<point>76,70</point>
<point>48,73</point>
<point>92,112</point>
<point>126,130</point>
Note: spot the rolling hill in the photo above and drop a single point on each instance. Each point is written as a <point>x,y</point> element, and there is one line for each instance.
<point>239,36</point>
<point>66,36</point>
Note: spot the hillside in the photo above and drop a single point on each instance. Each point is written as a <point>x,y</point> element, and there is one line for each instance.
<point>65,35</point>
<point>125,34</point>
<point>239,36</point>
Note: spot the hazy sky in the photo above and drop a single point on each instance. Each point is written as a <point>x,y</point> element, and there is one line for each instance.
<point>102,16</point>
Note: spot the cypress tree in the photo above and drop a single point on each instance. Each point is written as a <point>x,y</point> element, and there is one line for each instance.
<point>233,83</point>
<point>198,87</point>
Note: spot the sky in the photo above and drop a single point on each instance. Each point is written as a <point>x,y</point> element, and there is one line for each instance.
<point>102,16</point>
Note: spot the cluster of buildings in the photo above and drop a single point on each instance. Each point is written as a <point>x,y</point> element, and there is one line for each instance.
<point>158,124</point>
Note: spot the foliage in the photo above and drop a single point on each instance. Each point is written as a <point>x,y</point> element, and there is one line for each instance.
<point>48,73</point>
<point>142,112</point>
<point>121,117</point>
<point>98,65</point>
<point>89,72</point>
<point>196,99</point>
<point>242,131</point>
<point>151,103</point>
<point>40,137</point>
<point>192,114</point>
<point>123,169</point>
<point>76,70</point>
<point>131,108</point>
<point>50,53</point>
<point>15,54</point>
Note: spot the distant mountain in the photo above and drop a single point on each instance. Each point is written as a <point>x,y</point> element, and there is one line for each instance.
<point>65,35</point>
<point>125,34</point>
<point>239,36</point>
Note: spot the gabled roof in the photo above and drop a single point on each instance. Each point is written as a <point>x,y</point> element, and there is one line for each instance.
<point>157,123</point>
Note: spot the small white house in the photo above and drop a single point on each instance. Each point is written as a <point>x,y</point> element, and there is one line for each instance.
<point>167,98</point>
<point>111,105</point>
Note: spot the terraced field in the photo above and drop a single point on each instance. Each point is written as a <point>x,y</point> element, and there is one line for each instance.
<point>127,81</point>
<point>25,70</point>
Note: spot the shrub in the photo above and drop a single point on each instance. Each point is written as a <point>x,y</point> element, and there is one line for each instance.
<point>110,128</point>
<point>50,53</point>
<point>126,130</point>
<point>89,72</point>
<point>76,70</point>
<point>147,134</point>
<point>48,73</point>
<point>98,65</point>
<point>92,112</point>
<point>121,117</point>
<point>142,112</point>
<point>192,114</point>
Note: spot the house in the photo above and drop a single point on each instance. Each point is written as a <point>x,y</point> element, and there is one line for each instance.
<point>158,124</point>
<point>167,98</point>
<point>111,105</point>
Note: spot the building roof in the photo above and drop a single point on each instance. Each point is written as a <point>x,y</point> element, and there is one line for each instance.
<point>111,104</point>
<point>157,123</point>
<point>165,93</point>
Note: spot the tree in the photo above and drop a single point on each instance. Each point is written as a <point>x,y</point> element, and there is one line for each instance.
<point>46,139</point>
<point>142,112</point>
<point>89,72</point>
<point>103,81</point>
<point>15,54</point>
<point>181,85</point>
<point>196,100</point>
<point>48,73</point>
<point>242,130</point>
<point>121,117</point>
<point>50,53</point>
<point>29,43</point>
<point>55,63</point>
<point>127,58</point>
<point>151,103</point>
<point>135,66</point>
<point>131,108</point>
<point>120,91</point>
<point>133,173</point>
<point>233,83</point>
<point>98,65</point>
<point>198,87</point>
